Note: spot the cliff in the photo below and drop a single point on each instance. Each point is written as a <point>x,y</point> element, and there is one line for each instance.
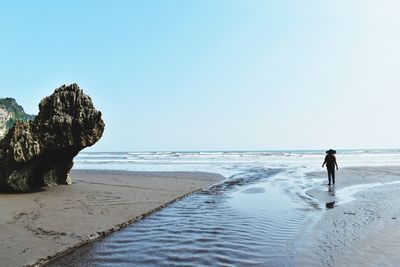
<point>40,152</point>
<point>10,112</point>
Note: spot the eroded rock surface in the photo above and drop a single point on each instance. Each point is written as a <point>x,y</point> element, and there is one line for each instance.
<point>40,152</point>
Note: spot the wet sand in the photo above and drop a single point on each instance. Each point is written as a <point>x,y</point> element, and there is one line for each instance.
<point>361,224</point>
<point>37,226</point>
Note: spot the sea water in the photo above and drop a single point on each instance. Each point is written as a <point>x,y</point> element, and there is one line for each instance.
<point>257,217</point>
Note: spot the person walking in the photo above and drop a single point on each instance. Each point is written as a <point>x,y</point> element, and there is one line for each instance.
<point>330,161</point>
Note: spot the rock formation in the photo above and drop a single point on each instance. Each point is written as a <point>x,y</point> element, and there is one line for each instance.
<point>40,152</point>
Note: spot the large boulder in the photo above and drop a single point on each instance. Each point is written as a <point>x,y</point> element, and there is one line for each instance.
<point>40,152</point>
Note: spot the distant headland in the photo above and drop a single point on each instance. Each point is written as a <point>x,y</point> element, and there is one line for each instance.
<point>10,112</point>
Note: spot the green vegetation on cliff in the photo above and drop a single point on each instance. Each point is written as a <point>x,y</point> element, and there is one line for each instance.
<point>17,112</point>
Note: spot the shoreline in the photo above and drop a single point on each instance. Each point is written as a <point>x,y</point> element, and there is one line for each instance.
<point>359,229</point>
<point>359,222</point>
<point>40,226</point>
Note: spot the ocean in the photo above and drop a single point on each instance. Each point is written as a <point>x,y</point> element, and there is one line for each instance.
<point>258,220</point>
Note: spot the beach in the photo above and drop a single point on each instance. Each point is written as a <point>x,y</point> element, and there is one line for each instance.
<point>40,225</point>
<point>199,133</point>
<point>273,209</point>
<point>361,224</point>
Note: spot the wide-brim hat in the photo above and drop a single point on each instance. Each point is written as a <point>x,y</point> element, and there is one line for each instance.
<point>330,151</point>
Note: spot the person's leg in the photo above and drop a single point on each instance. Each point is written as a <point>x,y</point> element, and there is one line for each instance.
<point>333,176</point>
<point>329,176</point>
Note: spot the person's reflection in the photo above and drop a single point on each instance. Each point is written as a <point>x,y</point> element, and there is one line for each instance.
<point>331,191</point>
<point>330,205</point>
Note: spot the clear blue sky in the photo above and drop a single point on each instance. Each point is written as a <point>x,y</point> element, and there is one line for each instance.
<point>214,75</point>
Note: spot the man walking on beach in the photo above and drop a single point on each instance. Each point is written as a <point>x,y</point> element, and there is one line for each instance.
<point>330,161</point>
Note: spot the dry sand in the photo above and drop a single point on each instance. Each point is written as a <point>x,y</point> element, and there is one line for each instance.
<point>36,226</point>
<point>362,226</point>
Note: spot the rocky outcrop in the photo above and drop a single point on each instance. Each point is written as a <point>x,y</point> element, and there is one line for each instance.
<point>40,152</point>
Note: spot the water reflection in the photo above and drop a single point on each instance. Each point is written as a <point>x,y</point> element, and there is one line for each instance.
<point>331,205</point>
<point>332,193</point>
<point>264,197</point>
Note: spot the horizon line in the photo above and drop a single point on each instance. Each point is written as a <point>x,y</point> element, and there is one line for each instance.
<point>239,150</point>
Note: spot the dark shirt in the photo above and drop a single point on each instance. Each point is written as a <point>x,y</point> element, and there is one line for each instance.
<point>330,161</point>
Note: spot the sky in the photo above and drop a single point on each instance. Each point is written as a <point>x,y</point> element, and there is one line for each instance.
<point>214,75</point>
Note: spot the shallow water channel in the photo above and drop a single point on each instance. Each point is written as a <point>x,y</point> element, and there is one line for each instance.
<point>257,217</point>
<point>253,219</point>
